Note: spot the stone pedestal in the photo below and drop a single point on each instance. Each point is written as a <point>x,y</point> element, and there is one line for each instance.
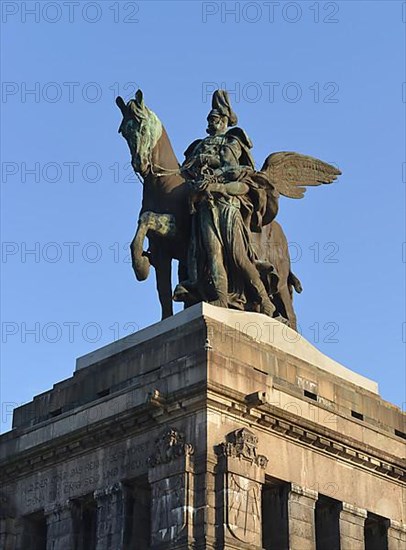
<point>352,522</point>
<point>214,429</point>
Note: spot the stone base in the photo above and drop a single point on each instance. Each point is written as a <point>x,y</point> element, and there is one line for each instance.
<point>211,429</point>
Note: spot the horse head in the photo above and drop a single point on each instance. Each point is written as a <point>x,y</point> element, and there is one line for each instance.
<point>164,213</point>
<point>142,129</point>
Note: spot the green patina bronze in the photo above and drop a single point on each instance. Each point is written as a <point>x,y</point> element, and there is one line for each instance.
<point>215,213</point>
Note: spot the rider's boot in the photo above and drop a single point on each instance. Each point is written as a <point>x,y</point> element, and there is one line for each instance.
<point>266,306</point>
<point>221,300</point>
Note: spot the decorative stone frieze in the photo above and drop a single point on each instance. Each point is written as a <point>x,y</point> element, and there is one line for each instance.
<point>340,450</point>
<point>360,457</point>
<point>168,446</point>
<point>243,444</point>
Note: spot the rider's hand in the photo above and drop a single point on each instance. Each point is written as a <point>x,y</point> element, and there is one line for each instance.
<point>201,185</point>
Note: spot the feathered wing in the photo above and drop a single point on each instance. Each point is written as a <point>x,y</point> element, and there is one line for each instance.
<point>291,173</point>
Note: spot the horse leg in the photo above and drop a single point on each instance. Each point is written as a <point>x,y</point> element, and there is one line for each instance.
<point>139,261</point>
<point>183,276</point>
<point>157,224</point>
<point>163,271</point>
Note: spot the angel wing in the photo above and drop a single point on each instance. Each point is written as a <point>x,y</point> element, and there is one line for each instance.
<point>291,173</point>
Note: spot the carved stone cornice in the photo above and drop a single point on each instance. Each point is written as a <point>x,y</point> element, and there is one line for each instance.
<point>107,431</point>
<point>310,434</point>
<point>303,491</point>
<point>142,417</point>
<point>335,448</point>
<point>397,526</point>
<point>353,510</point>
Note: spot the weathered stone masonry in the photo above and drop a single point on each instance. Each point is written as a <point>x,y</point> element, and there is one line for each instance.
<point>212,429</point>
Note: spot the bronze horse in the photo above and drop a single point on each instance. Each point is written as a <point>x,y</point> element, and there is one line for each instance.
<point>165,212</point>
<point>164,215</point>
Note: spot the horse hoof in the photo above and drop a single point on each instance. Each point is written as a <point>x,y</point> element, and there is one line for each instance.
<point>282,320</point>
<point>141,268</point>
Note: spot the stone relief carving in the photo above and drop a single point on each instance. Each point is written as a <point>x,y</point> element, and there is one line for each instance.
<point>244,508</point>
<point>241,471</point>
<point>170,516</point>
<point>169,446</point>
<point>171,484</point>
<point>242,443</point>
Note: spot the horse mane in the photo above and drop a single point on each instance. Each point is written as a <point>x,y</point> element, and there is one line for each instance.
<point>148,133</point>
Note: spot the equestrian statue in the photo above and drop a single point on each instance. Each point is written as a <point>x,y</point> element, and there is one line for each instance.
<point>215,213</point>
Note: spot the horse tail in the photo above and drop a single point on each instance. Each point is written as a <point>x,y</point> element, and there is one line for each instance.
<point>294,282</point>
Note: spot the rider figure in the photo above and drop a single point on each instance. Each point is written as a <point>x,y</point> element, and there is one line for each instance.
<point>229,199</point>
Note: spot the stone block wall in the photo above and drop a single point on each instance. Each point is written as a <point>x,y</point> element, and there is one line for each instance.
<point>200,436</point>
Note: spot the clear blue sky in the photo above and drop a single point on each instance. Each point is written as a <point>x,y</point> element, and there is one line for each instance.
<point>321,78</point>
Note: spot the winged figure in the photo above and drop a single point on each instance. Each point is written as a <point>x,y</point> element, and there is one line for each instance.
<point>215,213</point>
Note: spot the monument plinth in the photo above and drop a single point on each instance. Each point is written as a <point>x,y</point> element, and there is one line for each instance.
<point>211,429</point>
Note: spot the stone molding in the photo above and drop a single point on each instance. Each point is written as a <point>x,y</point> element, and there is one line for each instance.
<point>144,414</point>
<point>110,430</point>
<point>397,526</point>
<point>354,510</point>
<point>340,450</point>
<point>303,491</point>
<point>290,428</point>
<point>325,443</point>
